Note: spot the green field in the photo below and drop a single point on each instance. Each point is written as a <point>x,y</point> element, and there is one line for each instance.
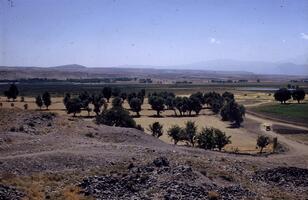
<point>291,112</point>
<point>59,88</point>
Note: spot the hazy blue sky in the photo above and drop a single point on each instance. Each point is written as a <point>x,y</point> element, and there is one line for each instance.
<point>101,33</point>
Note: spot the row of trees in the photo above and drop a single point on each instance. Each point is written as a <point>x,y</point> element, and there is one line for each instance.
<point>100,101</point>
<point>208,138</point>
<point>43,100</point>
<point>224,104</point>
<point>12,92</point>
<point>283,95</point>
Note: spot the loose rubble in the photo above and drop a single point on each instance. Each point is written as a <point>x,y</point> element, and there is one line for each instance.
<point>10,193</point>
<point>158,180</point>
<point>31,125</point>
<point>284,176</point>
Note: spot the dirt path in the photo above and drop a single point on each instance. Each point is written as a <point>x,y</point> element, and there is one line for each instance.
<point>295,148</point>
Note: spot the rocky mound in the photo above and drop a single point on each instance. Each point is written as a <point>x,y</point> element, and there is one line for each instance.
<point>284,176</point>
<point>159,180</point>
<point>10,193</point>
<point>31,122</point>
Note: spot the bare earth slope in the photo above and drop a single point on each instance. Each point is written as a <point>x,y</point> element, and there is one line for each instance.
<point>57,157</point>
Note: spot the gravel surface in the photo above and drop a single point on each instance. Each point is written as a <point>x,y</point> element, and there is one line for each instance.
<point>159,180</point>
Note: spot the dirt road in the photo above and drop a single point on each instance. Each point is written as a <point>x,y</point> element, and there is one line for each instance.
<point>295,148</point>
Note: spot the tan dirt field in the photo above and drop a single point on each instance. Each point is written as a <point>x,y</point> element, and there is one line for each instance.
<point>243,139</point>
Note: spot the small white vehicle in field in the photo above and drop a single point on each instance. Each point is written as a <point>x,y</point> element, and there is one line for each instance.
<point>267,127</point>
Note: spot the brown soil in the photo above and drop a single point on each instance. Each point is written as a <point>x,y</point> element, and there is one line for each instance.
<point>51,155</point>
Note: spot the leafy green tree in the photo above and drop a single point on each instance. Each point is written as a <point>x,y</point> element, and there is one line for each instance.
<point>98,101</point>
<point>135,104</point>
<point>282,95</point>
<point>298,95</point>
<point>157,103</point>
<point>199,96</point>
<point>46,99</point>
<point>117,102</point>
<point>116,116</point>
<point>207,98</point>
<point>195,104</point>
<point>141,95</point>
<point>74,106</point>
<point>205,139</point>
<point>130,96</point>
<point>190,132</point>
<point>116,92</point>
<point>211,138</point>
<point>156,129</point>
<point>228,96</point>
<point>262,142</point>
<point>179,104</point>
<point>216,105</point>
<point>186,106</point>
<point>12,92</point>
<point>176,133</point>
<point>171,103</point>
<point>221,139</point>
<point>215,100</point>
<point>107,92</point>
<point>85,99</point>
<point>233,112</point>
<point>39,101</point>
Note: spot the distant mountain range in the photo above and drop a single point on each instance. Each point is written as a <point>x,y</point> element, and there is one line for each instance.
<point>229,65</point>
<point>215,69</point>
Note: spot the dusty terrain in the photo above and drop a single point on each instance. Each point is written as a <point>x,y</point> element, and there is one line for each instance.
<point>243,139</point>
<point>59,157</point>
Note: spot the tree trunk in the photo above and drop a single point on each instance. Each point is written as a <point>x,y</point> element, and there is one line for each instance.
<point>158,113</point>
<point>298,101</point>
<point>138,115</point>
<point>261,150</point>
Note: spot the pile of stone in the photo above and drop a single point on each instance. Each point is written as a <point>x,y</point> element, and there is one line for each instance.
<point>10,193</point>
<point>284,176</point>
<point>31,125</point>
<point>158,180</point>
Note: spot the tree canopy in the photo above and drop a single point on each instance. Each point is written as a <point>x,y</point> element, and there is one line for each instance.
<point>156,129</point>
<point>116,116</point>
<point>46,99</point>
<point>298,95</point>
<point>282,95</point>
<point>12,92</point>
